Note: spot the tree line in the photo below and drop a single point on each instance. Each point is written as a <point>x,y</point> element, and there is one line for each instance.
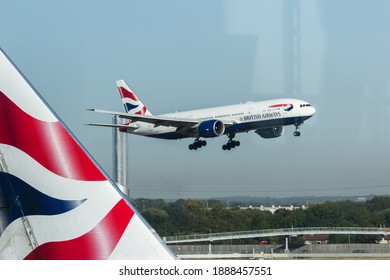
<point>192,216</point>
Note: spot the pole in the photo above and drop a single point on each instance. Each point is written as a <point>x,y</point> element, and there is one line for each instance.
<point>120,157</point>
<point>286,249</point>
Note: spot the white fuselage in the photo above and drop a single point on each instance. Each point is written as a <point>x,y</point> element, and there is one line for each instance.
<point>244,117</point>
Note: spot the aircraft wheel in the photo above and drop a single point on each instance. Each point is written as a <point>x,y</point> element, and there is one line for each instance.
<point>297,133</point>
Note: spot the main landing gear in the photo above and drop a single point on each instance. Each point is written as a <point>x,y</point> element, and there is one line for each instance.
<point>197,144</point>
<point>231,144</point>
<point>296,132</point>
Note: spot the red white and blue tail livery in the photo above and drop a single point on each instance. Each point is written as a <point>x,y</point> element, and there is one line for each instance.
<point>55,202</point>
<point>131,102</point>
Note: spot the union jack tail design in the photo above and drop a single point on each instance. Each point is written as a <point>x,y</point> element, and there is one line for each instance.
<point>55,202</point>
<point>131,102</point>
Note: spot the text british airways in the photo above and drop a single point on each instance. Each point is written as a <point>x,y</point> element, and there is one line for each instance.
<point>262,116</point>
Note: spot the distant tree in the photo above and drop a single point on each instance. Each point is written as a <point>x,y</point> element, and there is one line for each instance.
<point>218,205</point>
<point>159,219</point>
<point>220,217</point>
<point>240,220</point>
<point>179,218</point>
<point>145,203</point>
<point>378,203</point>
<point>288,218</point>
<point>158,203</point>
<point>260,219</point>
<point>322,215</point>
<point>198,218</point>
<point>381,218</point>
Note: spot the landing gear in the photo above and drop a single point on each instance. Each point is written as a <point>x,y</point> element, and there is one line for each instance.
<point>197,144</point>
<point>296,132</point>
<point>231,144</point>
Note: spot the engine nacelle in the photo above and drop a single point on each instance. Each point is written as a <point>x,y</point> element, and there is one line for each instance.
<point>270,132</point>
<point>211,128</point>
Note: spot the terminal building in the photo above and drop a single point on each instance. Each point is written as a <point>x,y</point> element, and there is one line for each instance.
<point>274,208</point>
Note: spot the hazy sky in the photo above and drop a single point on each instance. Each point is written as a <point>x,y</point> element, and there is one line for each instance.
<point>180,55</point>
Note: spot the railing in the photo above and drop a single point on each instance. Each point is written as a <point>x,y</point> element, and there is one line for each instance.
<point>210,237</point>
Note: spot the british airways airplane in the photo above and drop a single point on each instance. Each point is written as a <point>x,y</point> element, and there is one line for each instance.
<point>266,118</point>
<point>55,201</point>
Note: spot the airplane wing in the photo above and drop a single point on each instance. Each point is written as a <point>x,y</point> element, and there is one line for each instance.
<point>159,120</point>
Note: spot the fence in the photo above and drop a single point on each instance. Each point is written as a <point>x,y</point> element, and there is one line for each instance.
<point>331,249</point>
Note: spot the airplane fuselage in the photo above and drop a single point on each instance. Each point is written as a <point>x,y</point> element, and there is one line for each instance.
<point>243,117</point>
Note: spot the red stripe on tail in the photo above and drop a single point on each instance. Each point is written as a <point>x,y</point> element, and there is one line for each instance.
<point>47,142</point>
<point>98,244</point>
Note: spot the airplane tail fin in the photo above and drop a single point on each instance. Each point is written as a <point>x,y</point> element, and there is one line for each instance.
<point>55,201</point>
<point>131,102</point>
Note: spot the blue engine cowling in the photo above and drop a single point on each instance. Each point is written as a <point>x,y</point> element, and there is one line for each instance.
<point>270,132</point>
<point>211,128</point>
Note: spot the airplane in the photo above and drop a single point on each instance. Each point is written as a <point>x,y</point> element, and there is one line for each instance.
<point>266,118</point>
<point>55,200</point>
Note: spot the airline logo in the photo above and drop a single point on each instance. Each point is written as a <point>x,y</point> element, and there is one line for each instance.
<point>132,104</point>
<point>289,106</point>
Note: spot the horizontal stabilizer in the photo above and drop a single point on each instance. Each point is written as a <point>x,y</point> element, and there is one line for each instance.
<point>122,127</point>
<point>110,125</point>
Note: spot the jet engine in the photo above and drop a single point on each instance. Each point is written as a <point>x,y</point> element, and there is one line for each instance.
<point>270,132</point>
<point>211,128</point>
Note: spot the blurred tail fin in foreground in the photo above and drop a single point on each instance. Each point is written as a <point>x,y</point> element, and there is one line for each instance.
<point>55,202</point>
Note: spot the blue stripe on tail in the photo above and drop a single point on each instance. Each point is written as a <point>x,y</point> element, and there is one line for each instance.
<point>17,199</point>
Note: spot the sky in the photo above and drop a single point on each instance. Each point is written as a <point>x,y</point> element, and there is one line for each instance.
<point>180,55</point>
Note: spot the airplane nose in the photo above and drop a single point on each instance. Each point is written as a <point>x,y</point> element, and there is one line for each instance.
<point>313,111</point>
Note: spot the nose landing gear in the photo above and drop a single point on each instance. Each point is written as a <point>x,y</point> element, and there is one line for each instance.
<point>297,133</point>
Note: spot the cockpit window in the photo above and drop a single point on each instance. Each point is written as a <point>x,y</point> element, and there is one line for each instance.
<point>304,105</point>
